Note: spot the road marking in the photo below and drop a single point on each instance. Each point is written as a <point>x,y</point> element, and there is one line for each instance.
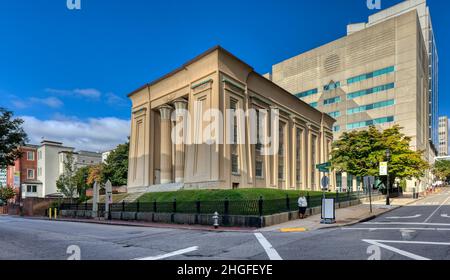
<point>395,250</point>
<point>408,217</point>
<point>375,229</point>
<point>270,251</point>
<point>285,230</point>
<point>404,223</point>
<point>445,216</point>
<point>168,255</point>
<point>443,203</point>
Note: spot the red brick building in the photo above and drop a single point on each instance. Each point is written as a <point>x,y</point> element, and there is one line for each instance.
<point>23,174</point>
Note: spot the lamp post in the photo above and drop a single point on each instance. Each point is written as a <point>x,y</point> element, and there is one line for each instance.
<point>388,158</point>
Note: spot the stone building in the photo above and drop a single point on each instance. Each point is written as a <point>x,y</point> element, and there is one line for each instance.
<point>218,80</point>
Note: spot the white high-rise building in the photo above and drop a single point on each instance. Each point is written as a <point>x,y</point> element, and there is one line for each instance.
<point>443,136</point>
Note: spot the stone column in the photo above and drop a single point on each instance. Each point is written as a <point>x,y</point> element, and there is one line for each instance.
<point>180,111</point>
<point>166,144</point>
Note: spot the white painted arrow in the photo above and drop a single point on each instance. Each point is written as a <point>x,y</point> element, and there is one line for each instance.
<point>409,217</point>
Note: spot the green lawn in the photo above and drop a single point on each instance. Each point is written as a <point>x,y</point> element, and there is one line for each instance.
<point>220,195</point>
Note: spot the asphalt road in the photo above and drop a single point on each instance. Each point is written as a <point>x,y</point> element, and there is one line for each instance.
<point>420,231</point>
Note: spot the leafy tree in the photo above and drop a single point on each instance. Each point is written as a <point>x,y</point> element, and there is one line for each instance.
<point>360,152</point>
<point>81,177</point>
<point>6,194</point>
<point>441,169</point>
<point>95,174</point>
<point>66,183</point>
<point>116,165</point>
<point>12,136</point>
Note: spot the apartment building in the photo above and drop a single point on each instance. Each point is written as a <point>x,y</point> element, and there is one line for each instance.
<point>3,172</point>
<point>384,72</point>
<point>50,164</point>
<point>22,175</point>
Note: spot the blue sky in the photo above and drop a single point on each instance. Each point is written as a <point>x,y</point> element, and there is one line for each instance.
<point>67,72</point>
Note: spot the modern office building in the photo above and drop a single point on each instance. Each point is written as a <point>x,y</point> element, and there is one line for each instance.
<point>384,72</point>
<point>443,136</point>
<point>218,82</point>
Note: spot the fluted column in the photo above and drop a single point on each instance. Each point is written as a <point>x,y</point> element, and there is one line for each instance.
<point>180,111</point>
<point>166,144</point>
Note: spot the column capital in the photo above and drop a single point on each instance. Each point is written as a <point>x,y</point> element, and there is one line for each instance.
<point>165,111</point>
<point>180,104</point>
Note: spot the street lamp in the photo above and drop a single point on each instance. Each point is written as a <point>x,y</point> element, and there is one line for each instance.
<point>388,158</point>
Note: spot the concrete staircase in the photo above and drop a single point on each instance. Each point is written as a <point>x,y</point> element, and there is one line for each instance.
<point>132,197</point>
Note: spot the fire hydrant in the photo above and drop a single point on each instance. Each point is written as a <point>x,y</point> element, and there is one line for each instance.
<point>216,220</point>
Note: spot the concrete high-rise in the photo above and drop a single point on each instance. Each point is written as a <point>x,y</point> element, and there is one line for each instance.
<point>384,72</point>
<point>443,136</point>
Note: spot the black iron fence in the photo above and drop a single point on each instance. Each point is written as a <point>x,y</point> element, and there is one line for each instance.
<point>259,207</point>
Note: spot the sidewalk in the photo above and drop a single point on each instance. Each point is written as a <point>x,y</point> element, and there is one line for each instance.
<point>344,216</point>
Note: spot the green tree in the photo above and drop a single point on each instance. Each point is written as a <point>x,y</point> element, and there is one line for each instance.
<point>116,166</point>
<point>441,169</point>
<point>81,177</point>
<point>12,136</point>
<point>360,152</point>
<point>66,183</point>
<point>6,194</point>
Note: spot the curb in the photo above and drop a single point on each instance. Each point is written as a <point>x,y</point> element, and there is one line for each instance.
<point>166,226</point>
<point>363,220</point>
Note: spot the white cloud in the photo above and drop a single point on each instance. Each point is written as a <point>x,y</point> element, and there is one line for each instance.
<point>52,102</point>
<point>95,134</point>
<point>87,92</point>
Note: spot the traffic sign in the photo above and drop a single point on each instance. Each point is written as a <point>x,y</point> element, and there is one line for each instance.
<point>383,168</point>
<point>325,182</point>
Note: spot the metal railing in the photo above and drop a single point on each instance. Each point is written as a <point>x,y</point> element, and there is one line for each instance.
<point>259,207</point>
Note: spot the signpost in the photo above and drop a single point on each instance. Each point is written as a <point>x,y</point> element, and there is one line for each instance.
<point>108,199</point>
<point>328,204</point>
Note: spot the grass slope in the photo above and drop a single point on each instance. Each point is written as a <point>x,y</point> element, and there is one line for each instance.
<point>220,195</point>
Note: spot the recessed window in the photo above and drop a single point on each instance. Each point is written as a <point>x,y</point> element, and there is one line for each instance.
<point>307,93</point>
<point>281,151</point>
<point>30,173</point>
<point>30,155</point>
<point>234,146</point>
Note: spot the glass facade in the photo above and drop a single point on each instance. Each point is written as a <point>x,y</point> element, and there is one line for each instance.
<point>370,122</point>
<point>332,86</point>
<point>332,100</point>
<point>369,107</point>
<point>371,75</point>
<point>314,104</point>
<point>307,93</point>
<point>336,128</point>
<point>335,114</point>
<point>370,91</point>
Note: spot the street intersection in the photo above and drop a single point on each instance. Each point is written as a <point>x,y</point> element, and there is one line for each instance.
<point>419,231</point>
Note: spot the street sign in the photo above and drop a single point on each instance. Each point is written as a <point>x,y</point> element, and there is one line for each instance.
<point>383,168</point>
<point>325,182</point>
<point>324,165</point>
